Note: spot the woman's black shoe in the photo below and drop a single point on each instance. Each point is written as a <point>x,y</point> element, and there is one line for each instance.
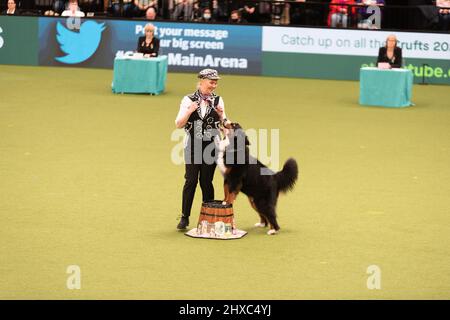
<point>184,222</point>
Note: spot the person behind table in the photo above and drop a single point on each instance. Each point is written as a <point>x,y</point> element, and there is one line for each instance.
<point>149,44</point>
<point>390,53</point>
<point>201,114</point>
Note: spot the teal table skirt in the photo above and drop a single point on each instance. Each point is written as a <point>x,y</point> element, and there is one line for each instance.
<point>385,88</point>
<point>142,75</point>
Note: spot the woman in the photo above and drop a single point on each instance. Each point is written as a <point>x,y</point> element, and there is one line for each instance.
<point>391,53</point>
<point>201,115</point>
<point>149,44</point>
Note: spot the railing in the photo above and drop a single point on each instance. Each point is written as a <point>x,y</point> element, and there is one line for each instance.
<point>309,13</point>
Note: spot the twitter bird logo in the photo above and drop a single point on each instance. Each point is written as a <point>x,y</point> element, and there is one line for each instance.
<point>79,46</point>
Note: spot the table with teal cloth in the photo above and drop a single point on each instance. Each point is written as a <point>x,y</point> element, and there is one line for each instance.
<point>385,87</point>
<point>140,75</point>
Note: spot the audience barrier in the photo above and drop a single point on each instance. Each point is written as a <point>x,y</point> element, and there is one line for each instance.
<point>319,53</point>
<point>394,14</point>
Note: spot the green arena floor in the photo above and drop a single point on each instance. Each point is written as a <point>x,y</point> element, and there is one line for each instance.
<point>86,178</point>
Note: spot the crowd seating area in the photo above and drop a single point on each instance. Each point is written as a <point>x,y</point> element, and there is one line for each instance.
<point>368,14</point>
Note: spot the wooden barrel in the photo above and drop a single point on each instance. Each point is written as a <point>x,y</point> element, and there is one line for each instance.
<point>216,219</point>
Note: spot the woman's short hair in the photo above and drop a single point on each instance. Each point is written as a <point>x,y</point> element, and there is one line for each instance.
<point>391,36</point>
<point>149,26</point>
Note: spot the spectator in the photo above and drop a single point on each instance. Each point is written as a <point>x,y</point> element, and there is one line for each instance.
<point>127,9</point>
<point>198,7</point>
<point>298,12</point>
<point>183,10</point>
<point>206,16</point>
<point>141,6</point>
<point>363,16</point>
<point>88,6</point>
<point>115,8</point>
<point>58,7</point>
<point>250,12</point>
<point>265,12</point>
<point>73,10</point>
<point>12,10</point>
<point>196,11</point>
<point>220,10</point>
<point>444,14</point>
<point>305,13</point>
<point>235,17</point>
<point>281,13</point>
<point>150,14</point>
<point>340,13</point>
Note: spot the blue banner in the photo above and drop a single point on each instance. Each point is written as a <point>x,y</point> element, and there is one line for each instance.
<point>188,46</point>
<point>75,42</point>
<point>192,46</point>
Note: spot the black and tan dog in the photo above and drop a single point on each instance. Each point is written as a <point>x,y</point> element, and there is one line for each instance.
<point>243,173</point>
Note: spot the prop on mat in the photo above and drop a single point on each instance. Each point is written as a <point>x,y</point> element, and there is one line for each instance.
<point>216,221</point>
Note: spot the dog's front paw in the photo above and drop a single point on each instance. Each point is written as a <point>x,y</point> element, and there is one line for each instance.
<point>260,225</point>
<point>272,232</point>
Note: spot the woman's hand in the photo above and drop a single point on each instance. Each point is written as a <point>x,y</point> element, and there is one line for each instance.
<point>192,107</point>
<point>227,124</point>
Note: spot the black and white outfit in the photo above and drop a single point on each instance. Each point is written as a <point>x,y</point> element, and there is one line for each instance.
<point>151,48</point>
<point>202,136</point>
<point>395,61</point>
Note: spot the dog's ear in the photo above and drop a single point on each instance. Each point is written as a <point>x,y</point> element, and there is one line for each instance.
<point>241,138</point>
<point>241,132</point>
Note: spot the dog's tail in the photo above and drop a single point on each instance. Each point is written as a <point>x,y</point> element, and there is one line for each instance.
<point>287,177</point>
